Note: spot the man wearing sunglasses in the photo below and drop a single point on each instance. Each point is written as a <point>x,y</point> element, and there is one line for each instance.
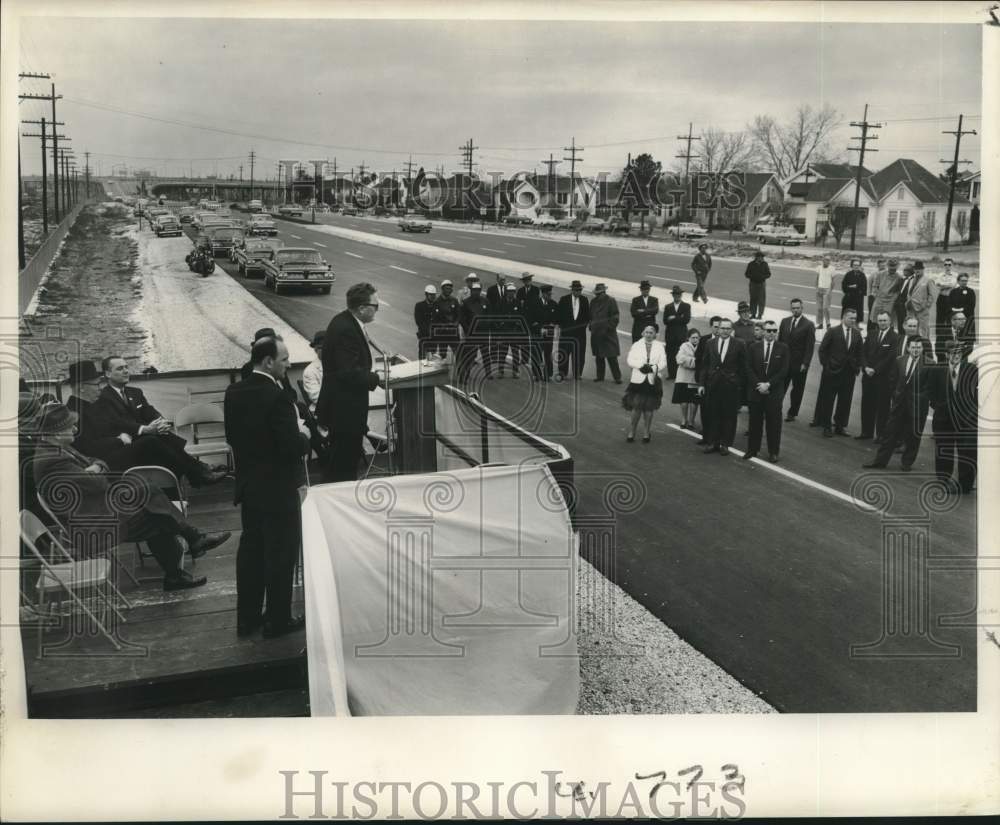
<point>767,371</point>
<point>347,379</point>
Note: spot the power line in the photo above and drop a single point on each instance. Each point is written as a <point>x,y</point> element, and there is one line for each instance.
<point>573,149</point>
<point>687,164</point>
<point>864,125</point>
<point>954,177</point>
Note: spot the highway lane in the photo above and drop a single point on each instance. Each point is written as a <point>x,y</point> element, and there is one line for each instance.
<point>662,268</point>
<point>768,573</point>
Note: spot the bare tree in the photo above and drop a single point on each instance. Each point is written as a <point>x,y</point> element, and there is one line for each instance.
<point>790,146</point>
<point>721,151</point>
<point>925,230</point>
<point>961,224</point>
<point>840,221</point>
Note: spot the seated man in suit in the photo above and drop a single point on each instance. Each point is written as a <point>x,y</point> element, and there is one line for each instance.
<point>123,429</point>
<point>157,522</point>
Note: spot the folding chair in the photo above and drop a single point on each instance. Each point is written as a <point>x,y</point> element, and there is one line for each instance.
<point>206,396</point>
<point>199,415</point>
<point>68,578</point>
<point>159,478</point>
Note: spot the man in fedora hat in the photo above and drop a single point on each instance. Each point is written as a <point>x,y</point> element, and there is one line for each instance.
<point>644,310</point>
<point>919,300</point>
<point>548,322</point>
<point>157,522</point>
<point>701,265</point>
<point>604,344</point>
<point>119,440</point>
<point>676,317</point>
<point>757,273</point>
<point>574,318</point>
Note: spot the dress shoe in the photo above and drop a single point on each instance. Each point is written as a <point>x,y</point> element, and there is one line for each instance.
<point>862,437</point>
<point>645,439</point>
<point>293,624</point>
<point>206,542</point>
<point>723,451</point>
<point>748,456</point>
<point>248,629</point>
<point>791,418</point>
<point>873,465</point>
<point>773,458</point>
<point>630,438</point>
<point>211,476</point>
<point>598,379</point>
<point>841,431</point>
<point>703,443</point>
<point>906,468</point>
<point>712,449</point>
<point>827,432</point>
<point>618,380</point>
<point>814,424</point>
<point>183,581</point>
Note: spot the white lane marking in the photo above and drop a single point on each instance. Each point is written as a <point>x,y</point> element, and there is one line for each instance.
<point>568,263</point>
<point>439,240</point>
<point>671,280</point>
<point>808,482</point>
<point>317,243</point>
<point>353,255</point>
<point>297,237</point>
<point>580,255</point>
<point>676,268</point>
<point>797,286</point>
<point>401,269</point>
<point>488,249</point>
<point>518,245</point>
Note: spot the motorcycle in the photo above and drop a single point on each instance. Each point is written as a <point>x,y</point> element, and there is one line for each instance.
<point>201,261</point>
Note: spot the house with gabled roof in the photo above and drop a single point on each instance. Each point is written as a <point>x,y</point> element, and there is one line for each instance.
<point>559,194</point>
<point>757,193</point>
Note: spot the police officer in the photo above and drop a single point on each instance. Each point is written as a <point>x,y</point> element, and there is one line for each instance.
<point>424,316</point>
<point>548,324</point>
<point>446,324</point>
<point>476,336</point>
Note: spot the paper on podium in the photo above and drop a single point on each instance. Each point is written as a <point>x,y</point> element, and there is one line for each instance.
<point>427,372</point>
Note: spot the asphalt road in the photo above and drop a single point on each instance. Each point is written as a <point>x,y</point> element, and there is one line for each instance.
<point>768,570</point>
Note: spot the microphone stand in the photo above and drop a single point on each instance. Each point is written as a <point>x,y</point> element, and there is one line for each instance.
<point>389,423</point>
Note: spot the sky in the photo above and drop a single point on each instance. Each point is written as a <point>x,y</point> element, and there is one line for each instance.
<point>374,92</point>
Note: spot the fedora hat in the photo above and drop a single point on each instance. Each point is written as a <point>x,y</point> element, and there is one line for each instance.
<point>576,285</point>
<point>600,288</point>
<point>56,418</point>
<point>265,332</point>
<point>676,290</point>
<point>759,253</point>
<point>318,338</point>
<point>82,371</point>
<point>526,276</point>
<point>645,285</point>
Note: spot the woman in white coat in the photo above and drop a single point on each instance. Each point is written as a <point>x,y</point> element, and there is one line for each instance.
<point>647,358</point>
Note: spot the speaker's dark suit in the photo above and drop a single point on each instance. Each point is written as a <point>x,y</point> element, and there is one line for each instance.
<point>343,398</point>
<point>675,329</point>
<point>840,369</point>
<point>766,407</point>
<point>908,411</point>
<point>722,379</point>
<point>111,415</point>
<point>644,312</point>
<point>801,341</point>
<point>956,422</point>
<point>876,390</point>
<point>573,335</point>
<point>263,430</point>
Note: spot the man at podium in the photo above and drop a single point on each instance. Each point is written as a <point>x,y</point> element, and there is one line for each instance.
<point>347,379</point>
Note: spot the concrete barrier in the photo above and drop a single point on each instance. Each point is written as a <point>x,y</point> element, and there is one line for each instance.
<point>30,278</point>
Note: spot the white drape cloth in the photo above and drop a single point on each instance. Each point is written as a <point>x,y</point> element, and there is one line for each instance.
<point>443,594</point>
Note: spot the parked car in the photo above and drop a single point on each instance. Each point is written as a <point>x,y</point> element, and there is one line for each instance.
<point>545,220</point>
<point>565,223</point>
<point>618,226</point>
<point>250,257</point>
<point>687,230</point>
<point>781,235</point>
<point>297,266</point>
<point>223,238</point>
<point>517,220</point>
<point>164,225</point>
<point>290,210</point>
<point>186,214</point>
<point>592,225</point>
<point>255,206</point>
<point>319,207</point>
<point>261,225</point>
<point>414,224</point>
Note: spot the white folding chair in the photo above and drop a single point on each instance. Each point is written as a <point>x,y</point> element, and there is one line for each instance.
<point>69,578</point>
<point>159,478</point>
<point>200,415</point>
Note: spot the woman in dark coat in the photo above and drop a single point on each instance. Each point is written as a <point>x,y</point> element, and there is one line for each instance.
<point>604,333</point>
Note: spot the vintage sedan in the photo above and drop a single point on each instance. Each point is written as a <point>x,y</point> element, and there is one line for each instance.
<point>164,225</point>
<point>687,230</point>
<point>291,210</point>
<point>781,235</point>
<point>222,239</point>
<point>186,214</point>
<point>414,224</point>
<point>297,266</point>
<point>545,221</point>
<point>261,225</point>
<point>250,257</point>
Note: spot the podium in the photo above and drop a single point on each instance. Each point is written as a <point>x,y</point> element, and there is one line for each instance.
<point>412,385</point>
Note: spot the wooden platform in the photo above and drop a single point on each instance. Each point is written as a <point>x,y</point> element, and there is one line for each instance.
<point>180,653</point>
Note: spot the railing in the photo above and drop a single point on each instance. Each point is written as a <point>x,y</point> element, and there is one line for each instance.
<point>31,276</point>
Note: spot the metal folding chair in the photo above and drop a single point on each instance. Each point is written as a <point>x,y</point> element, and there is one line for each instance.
<point>163,479</point>
<point>200,415</point>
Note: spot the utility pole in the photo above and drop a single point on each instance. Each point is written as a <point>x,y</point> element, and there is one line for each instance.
<point>551,176</point>
<point>864,125</point>
<point>45,177</point>
<point>954,177</point>
<point>251,174</point>
<point>467,149</point>
<point>20,211</point>
<point>333,186</point>
<point>55,144</point>
<point>572,149</point>
<point>686,157</point>
<point>86,172</point>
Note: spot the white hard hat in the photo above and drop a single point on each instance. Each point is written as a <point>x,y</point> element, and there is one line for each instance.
<point>446,283</point>
<point>430,289</point>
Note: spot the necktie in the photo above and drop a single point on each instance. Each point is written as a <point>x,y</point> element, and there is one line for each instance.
<point>902,346</point>
<point>881,337</point>
<point>909,371</point>
<point>848,335</point>
<point>722,351</point>
<point>767,356</point>
<point>954,377</point>
<point>794,322</point>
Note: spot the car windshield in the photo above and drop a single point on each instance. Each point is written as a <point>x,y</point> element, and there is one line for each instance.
<point>226,233</point>
<point>305,256</point>
<point>257,246</point>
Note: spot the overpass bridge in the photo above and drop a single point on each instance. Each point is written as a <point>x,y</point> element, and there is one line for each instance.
<point>183,189</point>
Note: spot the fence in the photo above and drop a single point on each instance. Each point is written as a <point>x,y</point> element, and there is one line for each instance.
<point>31,276</point>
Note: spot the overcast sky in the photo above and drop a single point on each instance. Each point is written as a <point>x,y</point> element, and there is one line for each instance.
<point>372,92</point>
